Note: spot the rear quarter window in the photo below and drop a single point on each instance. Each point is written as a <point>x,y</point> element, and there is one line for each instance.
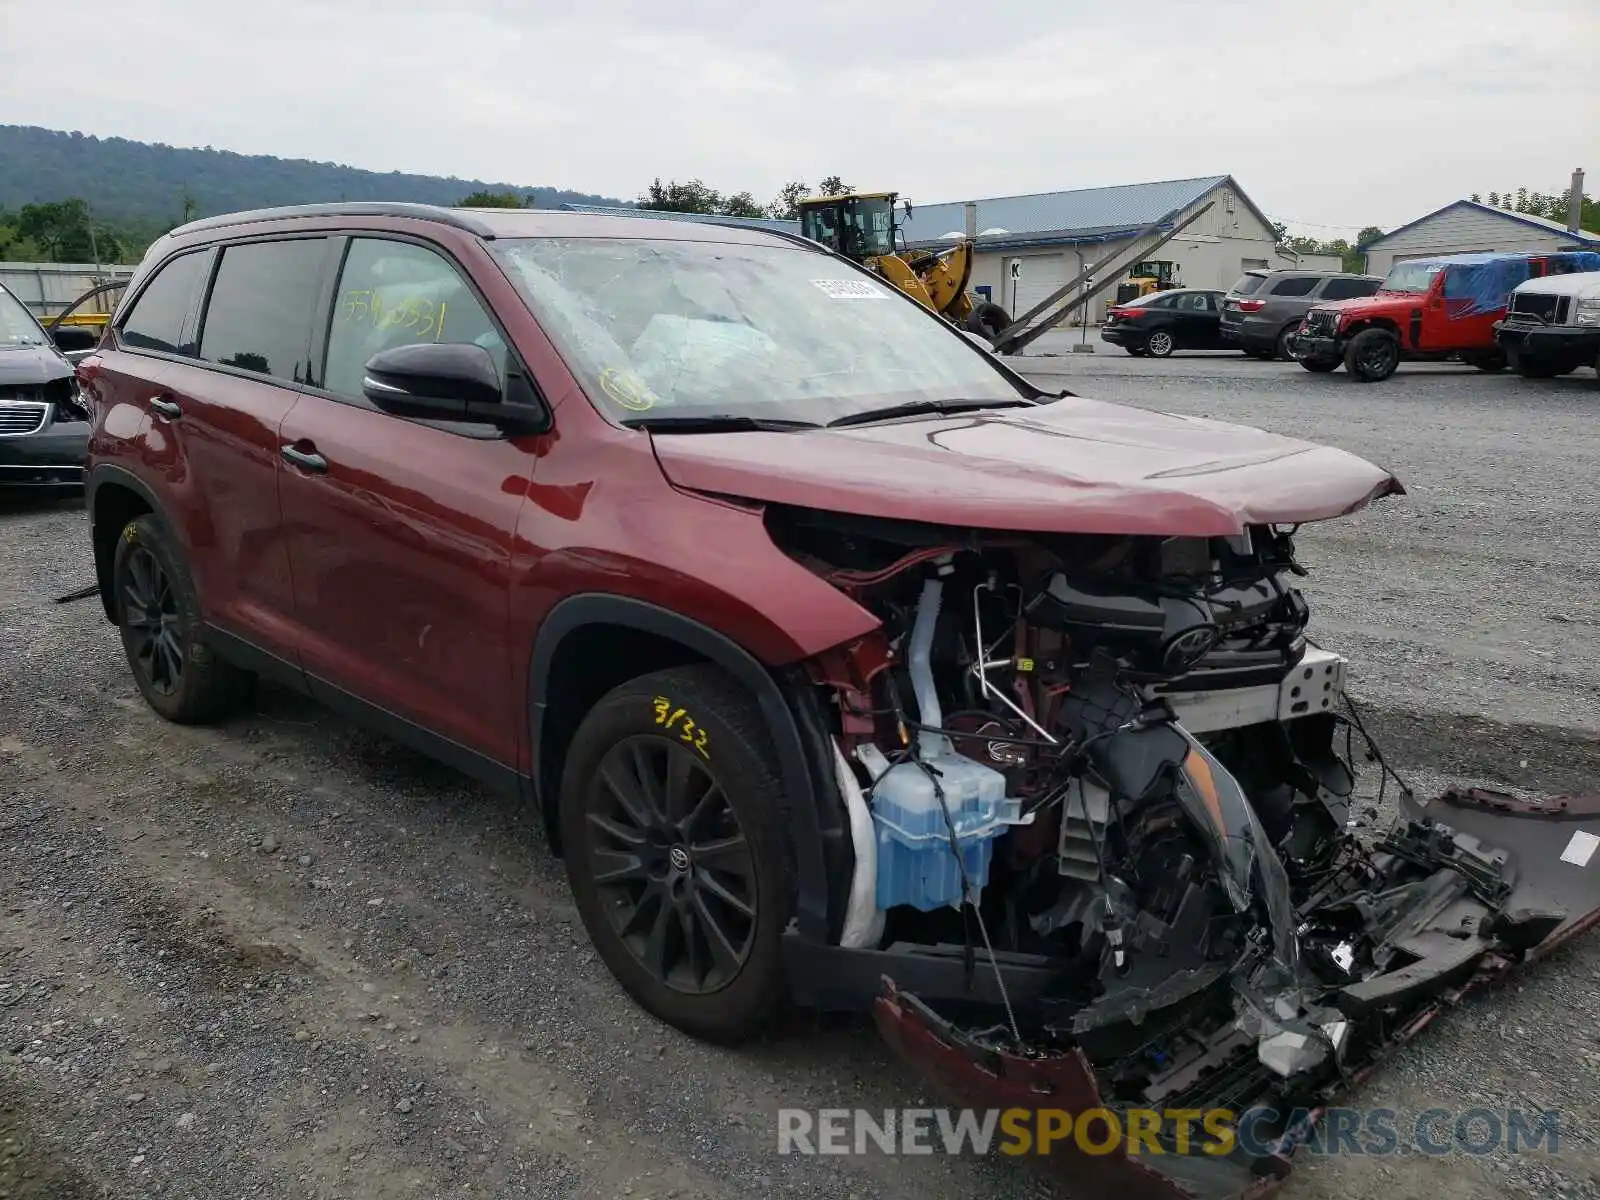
<point>156,320</point>
<point>1294,286</point>
<point>1348,289</point>
<point>1246,285</point>
<point>259,315</point>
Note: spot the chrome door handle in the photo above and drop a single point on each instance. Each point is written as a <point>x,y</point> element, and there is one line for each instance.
<point>305,460</point>
<point>167,408</point>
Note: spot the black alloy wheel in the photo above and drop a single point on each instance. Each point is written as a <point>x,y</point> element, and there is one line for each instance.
<point>155,629</point>
<point>670,863</point>
<point>1372,355</point>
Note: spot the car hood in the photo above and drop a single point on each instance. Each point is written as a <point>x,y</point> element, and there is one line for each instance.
<point>32,364</point>
<point>1583,283</point>
<point>1069,466</point>
<point>1375,301</point>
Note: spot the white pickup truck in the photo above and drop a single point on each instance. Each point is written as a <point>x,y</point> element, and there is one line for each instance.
<point>1552,325</point>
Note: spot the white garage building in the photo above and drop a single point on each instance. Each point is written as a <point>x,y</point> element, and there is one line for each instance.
<point>1468,226</point>
<point>1054,235</point>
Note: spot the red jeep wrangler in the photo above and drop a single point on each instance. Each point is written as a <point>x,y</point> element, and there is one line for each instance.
<point>1428,309</point>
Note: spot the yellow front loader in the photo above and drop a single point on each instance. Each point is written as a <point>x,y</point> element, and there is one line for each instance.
<point>862,226</point>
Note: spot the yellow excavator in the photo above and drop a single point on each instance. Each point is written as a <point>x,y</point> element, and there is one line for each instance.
<point>863,227</point>
<point>1152,275</point>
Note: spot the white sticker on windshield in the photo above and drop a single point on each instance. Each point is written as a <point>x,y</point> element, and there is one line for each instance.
<point>851,289</point>
<point>1580,849</point>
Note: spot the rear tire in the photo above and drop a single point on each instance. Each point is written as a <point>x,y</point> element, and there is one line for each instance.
<point>675,831</point>
<point>1319,366</point>
<point>1372,355</point>
<point>989,320</point>
<point>1263,355</point>
<point>1136,351</point>
<point>158,615</point>
<point>1280,350</point>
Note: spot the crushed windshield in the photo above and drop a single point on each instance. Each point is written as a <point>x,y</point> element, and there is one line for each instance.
<point>17,326</point>
<point>700,329</point>
<point>1411,277</point>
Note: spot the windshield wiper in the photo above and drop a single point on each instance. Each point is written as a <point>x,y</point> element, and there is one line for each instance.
<point>917,408</point>
<point>715,423</point>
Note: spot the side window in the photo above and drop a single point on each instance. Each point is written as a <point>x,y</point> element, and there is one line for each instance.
<point>397,294</point>
<point>1339,288</point>
<point>259,314</point>
<point>1295,286</point>
<point>156,321</point>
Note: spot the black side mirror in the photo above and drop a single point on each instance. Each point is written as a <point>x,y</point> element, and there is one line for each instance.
<point>437,382</point>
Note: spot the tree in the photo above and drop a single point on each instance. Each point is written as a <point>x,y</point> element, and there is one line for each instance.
<point>696,196</point>
<point>65,231</point>
<point>1280,233</point>
<point>832,185</point>
<point>692,197</point>
<point>787,206</point>
<point>490,200</point>
<point>743,205</point>
<point>1368,235</point>
<point>1550,205</point>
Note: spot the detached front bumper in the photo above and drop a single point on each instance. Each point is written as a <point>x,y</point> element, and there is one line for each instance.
<point>1541,865</point>
<point>1316,346</point>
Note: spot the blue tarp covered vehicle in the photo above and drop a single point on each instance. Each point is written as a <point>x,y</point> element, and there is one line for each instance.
<point>1427,309</point>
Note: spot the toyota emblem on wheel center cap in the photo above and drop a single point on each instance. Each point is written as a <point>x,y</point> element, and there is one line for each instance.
<point>679,858</point>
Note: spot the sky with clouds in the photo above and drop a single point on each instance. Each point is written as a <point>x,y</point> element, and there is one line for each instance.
<point>1331,115</point>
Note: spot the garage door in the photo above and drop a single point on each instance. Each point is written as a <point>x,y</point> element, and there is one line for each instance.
<point>1041,275</point>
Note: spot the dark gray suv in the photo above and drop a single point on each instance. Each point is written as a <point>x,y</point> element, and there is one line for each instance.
<point>1263,308</point>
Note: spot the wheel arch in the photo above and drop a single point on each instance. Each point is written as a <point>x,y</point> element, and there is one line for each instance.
<point>1366,323</point>
<point>113,497</point>
<point>590,643</point>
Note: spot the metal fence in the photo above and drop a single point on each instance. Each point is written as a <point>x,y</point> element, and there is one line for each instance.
<point>48,288</point>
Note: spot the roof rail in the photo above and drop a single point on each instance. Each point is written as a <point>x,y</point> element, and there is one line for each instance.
<point>460,219</point>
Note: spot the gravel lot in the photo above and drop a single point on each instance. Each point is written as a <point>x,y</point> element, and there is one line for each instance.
<point>288,958</point>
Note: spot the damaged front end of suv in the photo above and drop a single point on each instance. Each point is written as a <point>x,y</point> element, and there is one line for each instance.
<point>1108,850</point>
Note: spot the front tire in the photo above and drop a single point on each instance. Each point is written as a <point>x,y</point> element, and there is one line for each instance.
<point>1540,368</point>
<point>989,320</point>
<point>674,826</point>
<point>158,615</point>
<point>1159,344</point>
<point>1319,366</point>
<point>1372,355</point>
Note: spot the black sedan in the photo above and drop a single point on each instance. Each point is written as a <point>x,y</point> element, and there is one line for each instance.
<point>1158,324</point>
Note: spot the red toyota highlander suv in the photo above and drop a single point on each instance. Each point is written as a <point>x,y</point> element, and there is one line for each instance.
<point>842,663</point>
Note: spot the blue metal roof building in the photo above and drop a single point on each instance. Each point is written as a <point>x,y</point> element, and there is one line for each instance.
<point>1101,214</point>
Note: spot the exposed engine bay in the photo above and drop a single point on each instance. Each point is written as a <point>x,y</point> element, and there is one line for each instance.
<point>1113,780</point>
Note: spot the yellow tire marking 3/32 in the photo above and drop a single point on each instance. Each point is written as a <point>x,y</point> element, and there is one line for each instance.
<point>689,730</point>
